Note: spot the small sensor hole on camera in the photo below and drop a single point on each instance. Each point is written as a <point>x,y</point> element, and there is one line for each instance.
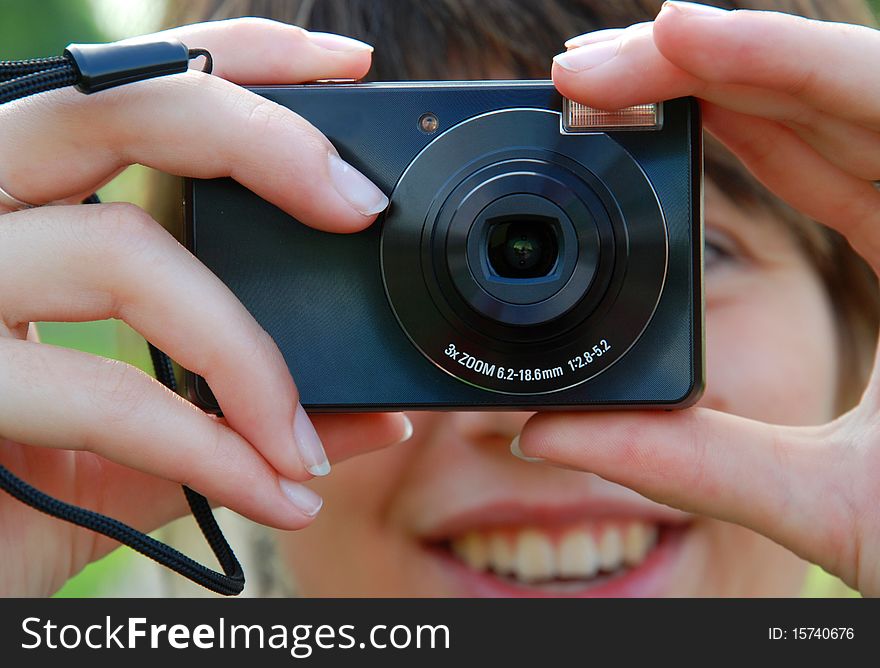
<point>429,123</point>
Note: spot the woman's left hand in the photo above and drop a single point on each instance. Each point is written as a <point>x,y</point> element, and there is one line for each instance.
<point>798,101</point>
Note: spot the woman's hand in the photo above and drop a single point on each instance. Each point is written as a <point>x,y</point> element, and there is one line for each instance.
<point>799,102</point>
<point>112,438</point>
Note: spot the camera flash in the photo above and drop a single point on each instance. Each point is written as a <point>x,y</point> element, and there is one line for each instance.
<point>577,117</point>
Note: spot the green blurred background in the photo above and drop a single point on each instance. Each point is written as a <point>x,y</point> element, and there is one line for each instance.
<point>35,28</point>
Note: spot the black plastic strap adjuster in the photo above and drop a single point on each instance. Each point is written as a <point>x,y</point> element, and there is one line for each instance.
<point>102,66</point>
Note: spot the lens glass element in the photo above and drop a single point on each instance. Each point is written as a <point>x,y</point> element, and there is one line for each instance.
<point>522,247</point>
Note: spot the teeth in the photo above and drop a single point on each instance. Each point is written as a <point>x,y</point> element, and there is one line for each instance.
<point>637,542</point>
<point>534,555</point>
<point>472,550</point>
<point>535,558</point>
<point>501,555</point>
<point>610,549</point>
<point>578,555</point>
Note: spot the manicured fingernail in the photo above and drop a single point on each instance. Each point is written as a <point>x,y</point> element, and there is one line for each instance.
<point>305,500</point>
<point>694,9</point>
<point>355,188</point>
<point>589,56</point>
<point>331,42</point>
<point>594,37</point>
<point>517,452</point>
<point>609,34</point>
<point>408,428</point>
<point>308,444</point>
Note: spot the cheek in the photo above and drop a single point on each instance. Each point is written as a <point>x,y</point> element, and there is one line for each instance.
<point>771,353</point>
<point>349,550</point>
<point>729,560</point>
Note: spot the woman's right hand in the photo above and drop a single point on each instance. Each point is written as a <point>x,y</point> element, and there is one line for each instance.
<point>797,101</point>
<point>100,433</point>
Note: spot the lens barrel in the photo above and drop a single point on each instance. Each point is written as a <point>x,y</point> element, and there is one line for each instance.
<point>509,267</point>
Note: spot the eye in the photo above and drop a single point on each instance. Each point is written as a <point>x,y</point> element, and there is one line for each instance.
<point>713,254</point>
<point>717,250</point>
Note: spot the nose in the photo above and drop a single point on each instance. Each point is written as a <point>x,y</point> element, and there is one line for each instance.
<point>488,428</point>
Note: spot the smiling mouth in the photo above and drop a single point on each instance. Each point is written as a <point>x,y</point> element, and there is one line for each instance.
<point>585,554</point>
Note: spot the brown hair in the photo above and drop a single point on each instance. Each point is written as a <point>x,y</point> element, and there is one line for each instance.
<point>461,39</point>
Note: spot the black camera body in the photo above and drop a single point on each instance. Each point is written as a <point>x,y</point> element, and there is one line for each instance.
<point>536,254</point>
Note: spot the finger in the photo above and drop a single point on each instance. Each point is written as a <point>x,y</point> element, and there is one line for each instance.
<point>76,198</point>
<point>692,49</point>
<point>830,66</point>
<point>639,73</point>
<point>851,147</point>
<point>349,435</point>
<point>59,398</point>
<point>606,35</point>
<point>799,175</point>
<point>147,502</point>
<point>135,498</point>
<point>620,71</point>
<point>82,263</point>
<point>787,483</point>
<point>190,124</point>
<point>276,53</point>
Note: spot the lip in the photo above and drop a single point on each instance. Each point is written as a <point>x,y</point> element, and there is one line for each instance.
<point>647,580</point>
<point>503,513</point>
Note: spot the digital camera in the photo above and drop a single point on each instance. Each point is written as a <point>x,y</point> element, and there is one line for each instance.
<point>537,254</point>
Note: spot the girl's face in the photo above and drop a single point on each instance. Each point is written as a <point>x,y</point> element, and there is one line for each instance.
<point>452,513</point>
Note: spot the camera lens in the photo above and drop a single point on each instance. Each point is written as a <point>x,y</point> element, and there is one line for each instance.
<point>507,263</point>
<point>512,254</point>
<point>524,248</point>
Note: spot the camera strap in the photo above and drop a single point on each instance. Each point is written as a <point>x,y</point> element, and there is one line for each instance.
<point>91,68</point>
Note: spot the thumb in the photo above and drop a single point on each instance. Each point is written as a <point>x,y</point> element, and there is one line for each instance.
<point>791,484</point>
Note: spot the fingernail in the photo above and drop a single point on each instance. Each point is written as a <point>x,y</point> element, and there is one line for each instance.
<point>355,188</point>
<point>305,500</point>
<point>308,444</point>
<point>609,34</point>
<point>408,428</point>
<point>594,37</point>
<point>331,42</point>
<point>517,452</point>
<point>587,57</point>
<point>694,9</point>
